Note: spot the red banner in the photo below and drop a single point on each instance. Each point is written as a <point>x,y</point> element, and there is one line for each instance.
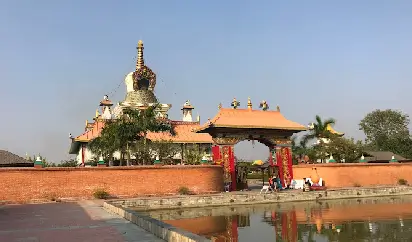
<point>289,157</point>
<point>279,163</point>
<point>216,154</point>
<point>232,167</point>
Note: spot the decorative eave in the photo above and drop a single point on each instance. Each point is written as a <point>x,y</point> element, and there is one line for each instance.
<point>333,131</point>
<point>250,119</point>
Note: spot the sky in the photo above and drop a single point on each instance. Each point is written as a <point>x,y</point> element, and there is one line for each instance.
<point>336,59</point>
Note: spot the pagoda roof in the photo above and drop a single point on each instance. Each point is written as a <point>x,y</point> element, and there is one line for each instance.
<point>333,131</point>
<point>184,133</point>
<point>91,133</point>
<point>250,119</point>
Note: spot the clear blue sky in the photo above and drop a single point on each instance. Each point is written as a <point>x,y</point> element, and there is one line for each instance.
<point>336,59</point>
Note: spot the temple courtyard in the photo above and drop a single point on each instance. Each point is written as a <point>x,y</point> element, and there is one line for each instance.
<point>66,222</point>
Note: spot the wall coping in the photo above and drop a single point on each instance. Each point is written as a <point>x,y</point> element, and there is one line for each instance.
<point>147,167</point>
<point>350,164</point>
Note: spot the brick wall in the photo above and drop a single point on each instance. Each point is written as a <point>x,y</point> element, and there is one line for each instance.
<point>347,175</point>
<point>25,184</point>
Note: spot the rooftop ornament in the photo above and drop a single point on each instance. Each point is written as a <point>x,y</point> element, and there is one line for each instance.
<point>249,103</point>
<point>235,104</point>
<point>278,108</point>
<point>331,160</point>
<point>219,106</point>
<point>97,114</point>
<point>393,159</point>
<point>264,105</point>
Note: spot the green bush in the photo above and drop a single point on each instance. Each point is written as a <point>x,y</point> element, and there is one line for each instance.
<point>100,193</point>
<point>402,182</point>
<point>184,191</point>
<point>356,184</point>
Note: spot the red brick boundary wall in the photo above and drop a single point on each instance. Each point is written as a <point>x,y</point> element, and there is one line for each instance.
<point>25,184</point>
<point>357,174</point>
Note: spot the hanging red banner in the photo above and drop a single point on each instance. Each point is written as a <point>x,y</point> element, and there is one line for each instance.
<point>217,159</point>
<point>279,163</point>
<point>289,162</point>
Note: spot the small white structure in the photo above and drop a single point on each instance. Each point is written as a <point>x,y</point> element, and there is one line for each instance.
<point>187,111</point>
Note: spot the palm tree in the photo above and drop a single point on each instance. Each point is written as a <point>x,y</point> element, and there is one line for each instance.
<point>300,148</point>
<point>319,129</point>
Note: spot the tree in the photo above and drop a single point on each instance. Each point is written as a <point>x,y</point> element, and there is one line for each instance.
<point>387,130</point>
<point>165,149</point>
<point>343,149</point>
<point>319,129</point>
<point>193,154</point>
<point>68,163</point>
<point>107,143</point>
<point>122,134</point>
<point>299,149</point>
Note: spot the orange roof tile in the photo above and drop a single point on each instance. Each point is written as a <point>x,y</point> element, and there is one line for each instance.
<point>92,133</point>
<point>184,134</point>
<point>246,118</point>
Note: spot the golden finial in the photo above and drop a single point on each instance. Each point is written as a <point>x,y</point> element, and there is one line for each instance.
<point>264,105</point>
<point>249,103</point>
<point>278,108</point>
<point>87,122</point>
<point>220,106</point>
<point>198,118</point>
<point>139,60</point>
<point>97,113</point>
<point>235,104</point>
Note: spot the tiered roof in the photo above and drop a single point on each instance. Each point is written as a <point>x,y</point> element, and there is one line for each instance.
<point>184,133</point>
<point>248,118</point>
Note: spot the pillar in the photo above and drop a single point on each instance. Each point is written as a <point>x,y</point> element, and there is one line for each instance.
<point>283,151</point>
<point>83,150</point>
<point>223,153</point>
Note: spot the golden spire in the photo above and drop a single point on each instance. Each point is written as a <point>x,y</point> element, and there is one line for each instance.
<point>97,113</point>
<point>139,60</point>
<point>220,106</point>
<point>249,103</point>
<point>87,122</point>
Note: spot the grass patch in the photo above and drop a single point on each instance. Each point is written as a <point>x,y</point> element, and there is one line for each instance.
<point>100,193</point>
<point>402,182</point>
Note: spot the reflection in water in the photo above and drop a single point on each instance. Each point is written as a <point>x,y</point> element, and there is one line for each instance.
<point>351,220</point>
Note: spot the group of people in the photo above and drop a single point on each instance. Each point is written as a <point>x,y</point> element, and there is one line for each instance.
<point>275,183</point>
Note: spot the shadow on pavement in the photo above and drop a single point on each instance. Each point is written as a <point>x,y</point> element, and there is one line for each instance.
<point>66,222</point>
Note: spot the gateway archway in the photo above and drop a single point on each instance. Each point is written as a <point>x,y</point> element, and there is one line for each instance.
<point>232,125</point>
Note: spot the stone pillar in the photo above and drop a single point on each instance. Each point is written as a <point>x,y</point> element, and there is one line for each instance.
<point>227,158</point>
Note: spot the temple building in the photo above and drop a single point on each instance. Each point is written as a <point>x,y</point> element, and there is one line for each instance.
<point>140,95</point>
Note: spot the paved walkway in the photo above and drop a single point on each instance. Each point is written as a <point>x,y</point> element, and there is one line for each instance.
<point>67,222</point>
